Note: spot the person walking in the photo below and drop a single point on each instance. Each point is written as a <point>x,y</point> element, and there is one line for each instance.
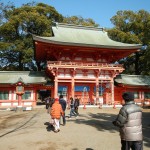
<point>51,101</point>
<point>76,105</point>
<point>72,109</point>
<point>63,104</point>
<point>129,121</point>
<point>56,112</point>
<point>47,100</point>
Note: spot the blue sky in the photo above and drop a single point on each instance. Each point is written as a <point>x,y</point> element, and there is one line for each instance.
<point>101,11</point>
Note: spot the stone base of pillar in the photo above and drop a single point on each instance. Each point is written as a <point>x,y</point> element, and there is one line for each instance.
<point>19,109</point>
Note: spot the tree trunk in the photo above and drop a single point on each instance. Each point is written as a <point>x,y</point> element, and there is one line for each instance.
<point>20,62</point>
<point>38,66</point>
<point>137,71</point>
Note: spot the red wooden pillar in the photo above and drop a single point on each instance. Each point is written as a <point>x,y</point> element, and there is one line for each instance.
<point>112,92</point>
<point>12,97</point>
<point>69,95</point>
<point>52,92</point>
<point>97,90</point>
<point>34,97</point>
<point>90,94</point>
<point>72,88</point>
<point>73,72</point>
<point>55,87</point>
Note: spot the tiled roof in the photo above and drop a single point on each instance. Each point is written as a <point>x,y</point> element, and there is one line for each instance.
<point>133,80</point>
<point>28,77</point>
<point>66,34</point>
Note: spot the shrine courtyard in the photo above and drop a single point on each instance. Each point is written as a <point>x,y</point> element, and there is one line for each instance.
<point>91,130</point>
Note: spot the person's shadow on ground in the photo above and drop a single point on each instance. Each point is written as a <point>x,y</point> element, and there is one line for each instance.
<point>49,127</point>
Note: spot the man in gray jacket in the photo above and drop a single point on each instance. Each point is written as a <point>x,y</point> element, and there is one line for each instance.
<point>129,121</point>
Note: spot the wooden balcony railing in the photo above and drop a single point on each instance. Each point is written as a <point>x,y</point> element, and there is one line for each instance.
<point>58,64</point>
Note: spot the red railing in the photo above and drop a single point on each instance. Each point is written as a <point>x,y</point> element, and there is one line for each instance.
<point>81,65</point>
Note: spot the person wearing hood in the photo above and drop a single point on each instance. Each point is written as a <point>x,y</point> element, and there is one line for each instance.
<point>129,121</point>
<point>56,112</point>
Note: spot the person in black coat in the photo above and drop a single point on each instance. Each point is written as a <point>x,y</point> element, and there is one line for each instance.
<point>76,105</point>
<point>63,104</point>
<point>47,100</point>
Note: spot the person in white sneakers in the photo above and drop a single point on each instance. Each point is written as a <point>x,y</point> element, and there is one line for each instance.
<point>56,112</point>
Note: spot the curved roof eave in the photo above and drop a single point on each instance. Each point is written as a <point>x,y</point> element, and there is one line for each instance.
<point>29,77</point>
<point>52,40</point>
<point>133,80</point>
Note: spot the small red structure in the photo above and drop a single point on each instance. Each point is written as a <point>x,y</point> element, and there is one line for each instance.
<point>21,88</point>
<point>138,84</point>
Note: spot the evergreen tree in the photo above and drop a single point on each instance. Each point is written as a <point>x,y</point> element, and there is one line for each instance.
<point>78,20</point>
<point>133,27</point>
<point>17,26</point>
<point>16,29</point>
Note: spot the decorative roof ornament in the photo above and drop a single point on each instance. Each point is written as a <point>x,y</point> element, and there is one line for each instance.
<point>56,24</point>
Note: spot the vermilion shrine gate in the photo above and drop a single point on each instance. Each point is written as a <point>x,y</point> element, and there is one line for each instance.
<point>81,62</point>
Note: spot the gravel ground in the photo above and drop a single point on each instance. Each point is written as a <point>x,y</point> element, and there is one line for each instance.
<point>91,130</point>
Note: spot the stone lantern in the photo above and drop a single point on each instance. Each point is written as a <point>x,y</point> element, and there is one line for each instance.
<point>19,92</point>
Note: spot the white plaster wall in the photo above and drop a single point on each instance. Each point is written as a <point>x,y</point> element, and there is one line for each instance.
<point>5,104</point>
<point>64,76</point>
<point>15,104</point>
<point>91,76</point>
<point>28,103</point>
<point>10,94</point>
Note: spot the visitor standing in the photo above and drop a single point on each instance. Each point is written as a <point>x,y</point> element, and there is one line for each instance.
<point>47,100</point>
<point>63,104</point>
<point>72,109</point>
<point>129,121</point>
<point>56,113</point>
<point>51,102</point>
<point>76,105</point>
